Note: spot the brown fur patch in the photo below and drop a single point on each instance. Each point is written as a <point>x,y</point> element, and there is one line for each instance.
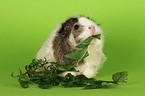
<point>61,44</point>
<point>77,32</point>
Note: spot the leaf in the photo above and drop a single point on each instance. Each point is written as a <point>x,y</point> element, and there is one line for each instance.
<point>98,36</point>
<point>39,61</point>
<point>69,77</point>
<point>67,67</point>
<point>12,74</point>
<point>24,78</point>
<point>78,54</point>
<point>46,82</point>
<point>81,79</point>
<point>53,62</point>
<point>86,42</point>
<point>23,84</point>
<point>45,86</point>
<point>20,71</point>
<point>120,77</point>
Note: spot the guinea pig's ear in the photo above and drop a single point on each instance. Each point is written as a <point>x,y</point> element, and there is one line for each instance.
<point>67,26</point>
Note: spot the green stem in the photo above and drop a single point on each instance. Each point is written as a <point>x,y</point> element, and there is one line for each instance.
<point>108,82</point>
<point>79,59</point>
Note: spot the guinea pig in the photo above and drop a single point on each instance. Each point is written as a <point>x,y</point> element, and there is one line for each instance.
<point>69,34</point>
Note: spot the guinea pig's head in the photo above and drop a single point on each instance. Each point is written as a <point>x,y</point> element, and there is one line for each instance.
<point>78,28</point>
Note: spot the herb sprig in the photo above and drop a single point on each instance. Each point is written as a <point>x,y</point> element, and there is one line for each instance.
<point>49,76</point>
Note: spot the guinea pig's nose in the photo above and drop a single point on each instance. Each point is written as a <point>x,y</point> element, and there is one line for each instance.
<point>92,28</point>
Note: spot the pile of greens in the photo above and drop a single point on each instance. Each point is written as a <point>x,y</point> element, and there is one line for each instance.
<point>48,77</point>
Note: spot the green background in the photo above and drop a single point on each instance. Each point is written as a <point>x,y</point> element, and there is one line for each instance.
<point>26,24</point>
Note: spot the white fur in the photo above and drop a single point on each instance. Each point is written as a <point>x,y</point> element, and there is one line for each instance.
<point>46,50</point>
<point>96,56</point>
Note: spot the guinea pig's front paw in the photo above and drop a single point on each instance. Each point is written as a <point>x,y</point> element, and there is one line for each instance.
<point>90,73</point>
<point>65,73</point>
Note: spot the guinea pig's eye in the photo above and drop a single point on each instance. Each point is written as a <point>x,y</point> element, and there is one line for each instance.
<point>76,27</point>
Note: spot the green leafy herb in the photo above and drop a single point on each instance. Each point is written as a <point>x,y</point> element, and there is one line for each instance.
<point>120,77</point>
<point>49,76</point>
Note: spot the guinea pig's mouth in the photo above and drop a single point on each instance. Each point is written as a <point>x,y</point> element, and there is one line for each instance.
<point>79,41</point>
<point>92,35</point>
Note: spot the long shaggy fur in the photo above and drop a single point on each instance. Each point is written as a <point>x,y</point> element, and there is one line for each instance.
<point>62,41</point>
